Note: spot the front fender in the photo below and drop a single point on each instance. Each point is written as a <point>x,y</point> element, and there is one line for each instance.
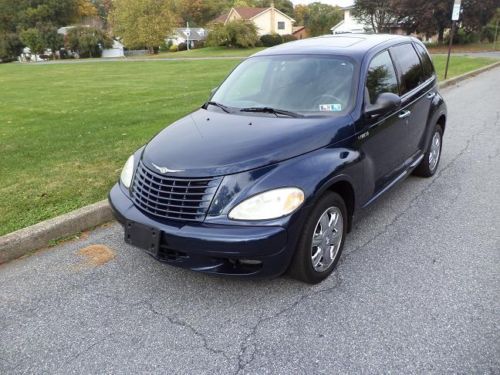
<point>314,173</point>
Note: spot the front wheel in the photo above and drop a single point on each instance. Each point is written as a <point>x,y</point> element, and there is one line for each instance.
<point>322,240</point>
<point>428,165</point>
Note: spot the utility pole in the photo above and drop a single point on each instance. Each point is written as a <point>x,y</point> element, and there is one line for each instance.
<point>496,34</point>
<point>188,33</point>
<point>455,15</point>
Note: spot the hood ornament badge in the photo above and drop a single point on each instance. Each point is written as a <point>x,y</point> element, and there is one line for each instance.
<point>166,170</point>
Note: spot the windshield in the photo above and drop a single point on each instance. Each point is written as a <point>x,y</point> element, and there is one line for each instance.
<point>298,83</point>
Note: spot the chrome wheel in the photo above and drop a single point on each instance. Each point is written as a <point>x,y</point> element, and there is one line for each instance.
<point>434,151</point>
<point>327,238</point>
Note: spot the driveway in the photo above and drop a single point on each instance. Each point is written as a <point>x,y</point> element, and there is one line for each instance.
<point>417,289</point>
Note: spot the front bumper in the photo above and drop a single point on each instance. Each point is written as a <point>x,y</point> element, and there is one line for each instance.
<point>241,250</point>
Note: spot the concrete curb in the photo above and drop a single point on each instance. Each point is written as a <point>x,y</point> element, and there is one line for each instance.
<point>23,241</point>
<point>457,79</point>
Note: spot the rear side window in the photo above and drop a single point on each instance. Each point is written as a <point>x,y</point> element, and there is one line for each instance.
<point>409,68</point>
<point>427,67</point>
<point>381,76</point>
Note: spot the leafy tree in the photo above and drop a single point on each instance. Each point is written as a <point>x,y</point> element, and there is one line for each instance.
<point>240,33</point>
<point>322,17</point>
<point>285,6</point>
<point>377,13</point>
<point>143,22</point>
<point>87,41</point>
<point>51,39</point>
<point>301,14</point>
<point>10,46</point>
<point>199,12</point>
<point>33,39</point>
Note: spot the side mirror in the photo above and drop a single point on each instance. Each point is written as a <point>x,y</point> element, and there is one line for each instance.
<point>386,102</point>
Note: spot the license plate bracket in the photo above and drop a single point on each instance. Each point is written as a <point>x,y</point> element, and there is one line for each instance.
<point>143,236</point>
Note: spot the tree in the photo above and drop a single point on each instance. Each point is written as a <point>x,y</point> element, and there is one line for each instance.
<point>143,23</point>
<point>199,12</point>
<point>379,14</point>
<point>51,39</point>
<point>239,33</point>
<point>10,46</point>
<point>87,41</point>
<point>321,18</point>
<point>285,6</point>
<point>301,14</point>
<point>33,39</point>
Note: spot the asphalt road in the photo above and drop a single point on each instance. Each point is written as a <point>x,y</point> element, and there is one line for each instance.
<point>417,289</point>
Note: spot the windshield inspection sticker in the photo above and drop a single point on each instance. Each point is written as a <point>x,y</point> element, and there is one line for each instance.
<point>330,107</point>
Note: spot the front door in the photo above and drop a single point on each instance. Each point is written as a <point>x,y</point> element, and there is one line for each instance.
<point>380,138</point>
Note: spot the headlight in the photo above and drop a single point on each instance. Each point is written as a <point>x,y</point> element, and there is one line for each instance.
<point>268,205</point>
<point>128,172</point>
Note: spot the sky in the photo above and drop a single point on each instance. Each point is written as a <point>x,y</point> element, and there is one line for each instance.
<point>341,3</point>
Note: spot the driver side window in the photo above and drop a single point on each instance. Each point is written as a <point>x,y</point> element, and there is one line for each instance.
<point>381,76</point>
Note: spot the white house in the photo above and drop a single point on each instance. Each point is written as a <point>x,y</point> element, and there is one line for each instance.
<point>267,20</point>
<point>350,24</point>
<point>115,51</point>
<point>196,34</point>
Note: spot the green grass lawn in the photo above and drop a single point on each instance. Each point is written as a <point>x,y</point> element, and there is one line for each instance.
<point>67,129</point>
<point>459,64</point>
<point>206,52</point>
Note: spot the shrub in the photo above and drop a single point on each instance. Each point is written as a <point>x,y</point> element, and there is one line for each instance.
<point>288,38</point>
<point>173,48</point>
<point>270,40</point>
<point>10,47</point>
<point>181,47</point>
<point>240,33</point>
<point>87,41</point>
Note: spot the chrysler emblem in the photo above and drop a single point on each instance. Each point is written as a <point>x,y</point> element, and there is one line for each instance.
<point>166,170</point>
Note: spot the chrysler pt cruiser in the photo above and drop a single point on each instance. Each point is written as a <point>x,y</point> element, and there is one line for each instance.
<point>268,174</point>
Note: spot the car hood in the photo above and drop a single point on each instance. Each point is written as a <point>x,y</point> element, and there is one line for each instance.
<point>207,144</point>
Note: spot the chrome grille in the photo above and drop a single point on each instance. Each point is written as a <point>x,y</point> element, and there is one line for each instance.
<point>173,198</point>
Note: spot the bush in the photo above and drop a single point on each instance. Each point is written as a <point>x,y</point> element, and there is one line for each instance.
<point>270,40</point>
<point>10,47</point>
<point>87,41</point>
<point>173,48</point>
<point>288,38</point>
<point>242,34</point>
<point>182,47</point>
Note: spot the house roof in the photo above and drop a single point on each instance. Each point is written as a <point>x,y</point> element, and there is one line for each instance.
<point>296,29</point>
<point>197,33</point>
<point>246,13</point>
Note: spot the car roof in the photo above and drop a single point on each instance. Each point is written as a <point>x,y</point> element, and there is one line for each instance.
<point>353,45</point>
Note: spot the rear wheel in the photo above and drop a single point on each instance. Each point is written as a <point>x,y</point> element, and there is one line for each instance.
<point>322,240</point>
<point>429,164</point>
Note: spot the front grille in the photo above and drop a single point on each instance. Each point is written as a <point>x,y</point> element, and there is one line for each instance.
<point>185,199</point>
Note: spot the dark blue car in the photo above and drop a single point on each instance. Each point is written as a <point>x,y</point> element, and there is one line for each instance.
<point>267,175</point>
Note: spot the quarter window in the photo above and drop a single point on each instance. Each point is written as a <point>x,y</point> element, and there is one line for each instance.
<point>409,68</point>
<point>427,66</point>
<point>381,76</point>
<point>281,25</point>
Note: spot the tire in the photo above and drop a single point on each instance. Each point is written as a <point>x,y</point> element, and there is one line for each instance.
<point>429,165</point>
<point>304,266</point>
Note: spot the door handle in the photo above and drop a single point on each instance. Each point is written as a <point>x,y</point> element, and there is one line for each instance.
<point>431,95</point>
<point>404,114</point>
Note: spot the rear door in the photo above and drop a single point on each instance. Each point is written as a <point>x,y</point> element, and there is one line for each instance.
<point>416,95</point>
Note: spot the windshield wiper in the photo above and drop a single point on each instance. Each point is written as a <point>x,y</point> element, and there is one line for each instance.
<point>271,110</point>
<point>221,106</point>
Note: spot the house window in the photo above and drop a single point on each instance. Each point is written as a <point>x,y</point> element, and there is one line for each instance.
<point>281,25</point>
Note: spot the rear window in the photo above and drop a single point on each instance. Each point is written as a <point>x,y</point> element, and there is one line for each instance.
<point>408,65</point>
<point>427,67</point>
